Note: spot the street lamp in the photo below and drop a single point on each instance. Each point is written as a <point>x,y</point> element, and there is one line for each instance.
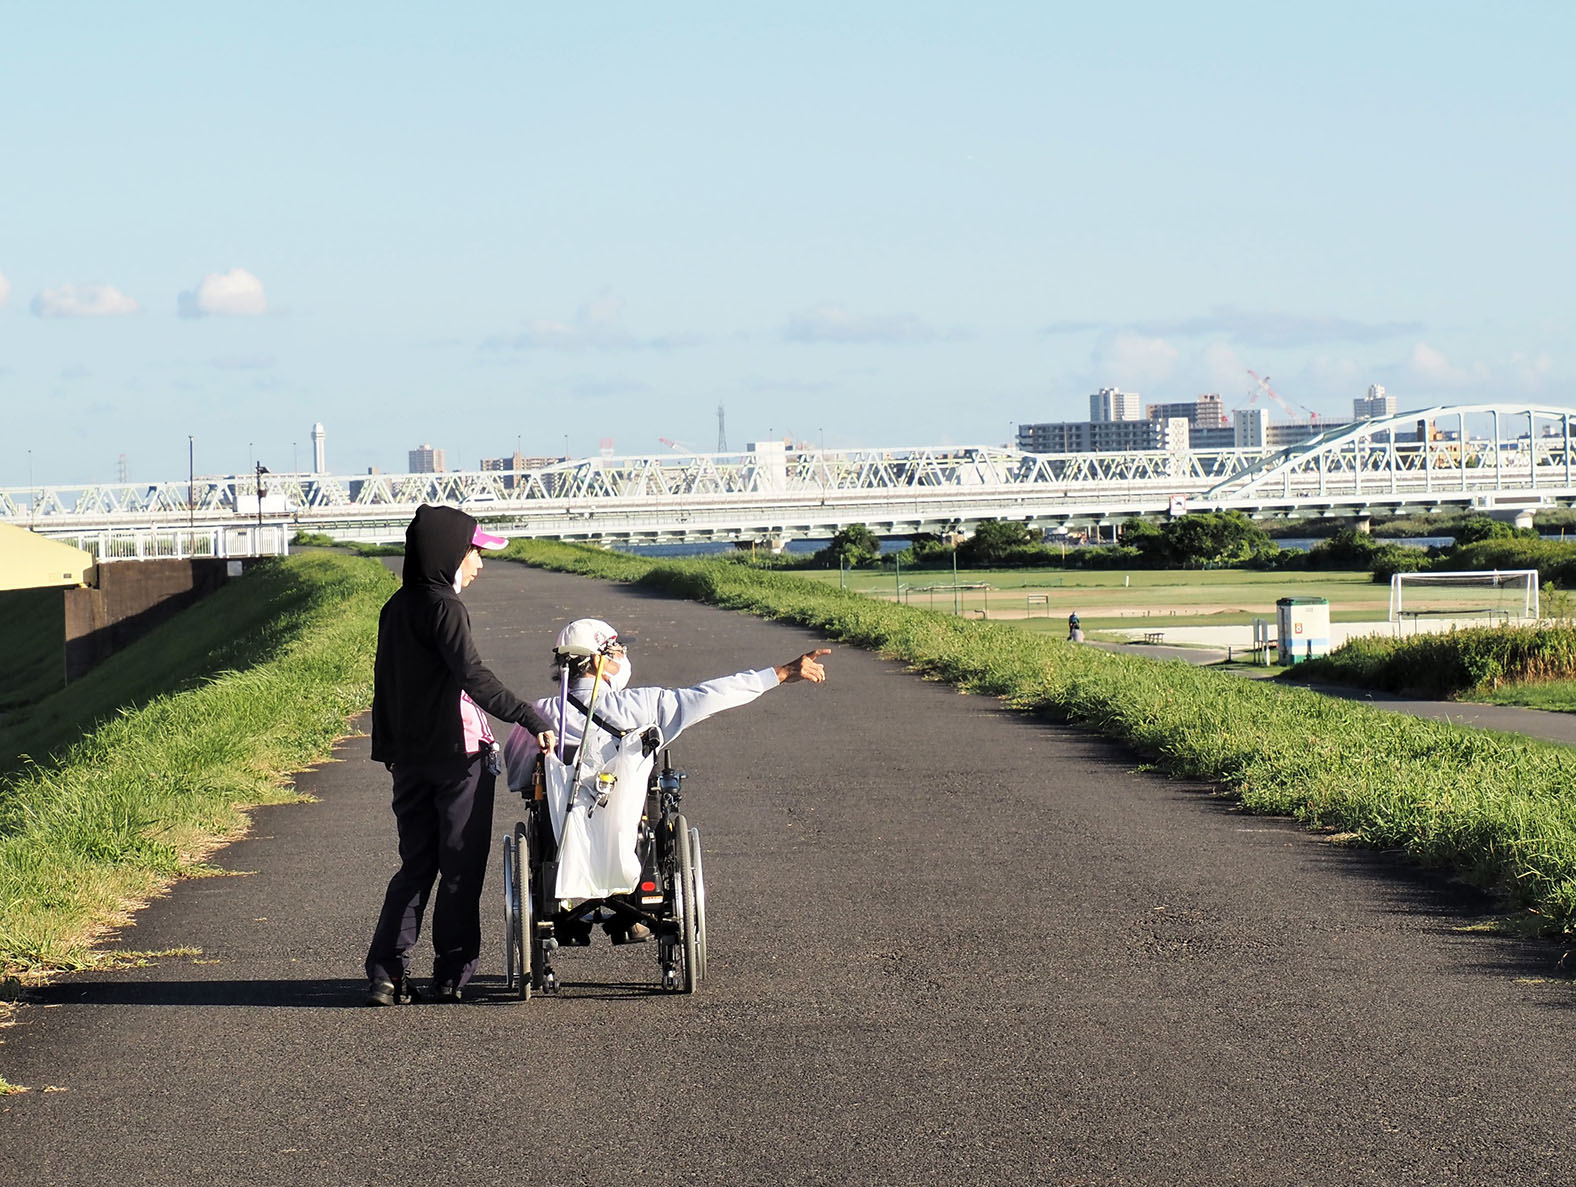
<point>32,495</point>
<point>191,501</point>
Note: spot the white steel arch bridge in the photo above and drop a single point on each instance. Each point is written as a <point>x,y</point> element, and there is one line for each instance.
<point>1506,459</point>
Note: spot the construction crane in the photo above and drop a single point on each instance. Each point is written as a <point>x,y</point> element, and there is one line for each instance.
<point>677,446</point>
<point>1263,383</point>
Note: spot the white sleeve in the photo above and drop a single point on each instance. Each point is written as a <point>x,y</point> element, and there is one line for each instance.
<point>680,708</point>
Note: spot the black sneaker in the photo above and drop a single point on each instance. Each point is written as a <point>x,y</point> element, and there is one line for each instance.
<point>383,992</point>
<point>447,991</point>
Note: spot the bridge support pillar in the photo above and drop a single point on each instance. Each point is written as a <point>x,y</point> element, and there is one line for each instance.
<point>1364,525</point>
<point>1524,518</point>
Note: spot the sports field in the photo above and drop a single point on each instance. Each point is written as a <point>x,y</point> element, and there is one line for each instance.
<point>1117,600</point>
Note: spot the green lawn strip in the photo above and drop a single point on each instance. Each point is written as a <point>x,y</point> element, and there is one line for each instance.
<point>146,793</point>
<point>1491,807</point>
<point>1553,696</point>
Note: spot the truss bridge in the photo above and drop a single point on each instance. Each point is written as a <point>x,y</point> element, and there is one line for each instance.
<point>1505,459</point>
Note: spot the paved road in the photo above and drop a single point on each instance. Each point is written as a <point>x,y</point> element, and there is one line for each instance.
<point>951,945</point>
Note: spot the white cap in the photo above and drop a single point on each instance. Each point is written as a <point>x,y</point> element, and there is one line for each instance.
<point>585,637</point>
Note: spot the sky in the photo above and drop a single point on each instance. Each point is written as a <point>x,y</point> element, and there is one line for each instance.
<point>555,226</point>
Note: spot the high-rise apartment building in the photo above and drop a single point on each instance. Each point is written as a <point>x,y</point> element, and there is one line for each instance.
<point>1112,403</point>
<point>1104,436</point>
<point>319,457</point>
<point>1206,412</point>
<point>1374,405</point>
<point>427,460</point>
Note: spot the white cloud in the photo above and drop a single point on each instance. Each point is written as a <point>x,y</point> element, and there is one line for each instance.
<point>5,289</point>
<point>833,323</point>
<point>1133,361</point>
<point>83,300</point>
<point>1272,329</point>
<point>236,293</point>
<point>596,325</point>
<point>1223,371</point>
<point>1431,366</point>
<point>1531,370</point>
<point>243,362</point>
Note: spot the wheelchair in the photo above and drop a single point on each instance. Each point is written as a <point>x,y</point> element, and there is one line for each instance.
<point>670,898</point>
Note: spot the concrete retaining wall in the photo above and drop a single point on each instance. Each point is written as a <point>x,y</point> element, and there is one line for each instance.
<point>129,599</point>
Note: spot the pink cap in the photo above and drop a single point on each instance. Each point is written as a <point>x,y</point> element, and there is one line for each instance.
<point>481,539</point>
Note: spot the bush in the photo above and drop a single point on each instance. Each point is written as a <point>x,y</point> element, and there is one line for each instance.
<point>1457,663</point>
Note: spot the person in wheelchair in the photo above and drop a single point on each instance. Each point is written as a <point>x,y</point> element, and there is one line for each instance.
<point>591,665</point>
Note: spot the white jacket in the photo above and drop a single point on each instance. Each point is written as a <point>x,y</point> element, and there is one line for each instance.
<point>597,854</point>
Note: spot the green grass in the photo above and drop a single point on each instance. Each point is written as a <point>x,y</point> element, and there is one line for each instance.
<point>1475,662</point>
<point>221,705</point>
<point>1495,809</point>
<point>33,641</point>
<point>1553,696</point>
<point>1107,600</point>
<point>241,626</point>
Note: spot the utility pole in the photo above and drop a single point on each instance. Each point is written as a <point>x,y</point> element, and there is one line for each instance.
<point>954,581</point>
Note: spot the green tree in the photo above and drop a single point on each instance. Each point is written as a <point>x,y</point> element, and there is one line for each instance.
<point>1480,527</point>
<point>1147,538</point>
<point>994,542</point>
<point>854,546</point>
<point>1214,538</point>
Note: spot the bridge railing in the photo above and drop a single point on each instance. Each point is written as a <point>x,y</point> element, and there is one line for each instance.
<point>226,541</point>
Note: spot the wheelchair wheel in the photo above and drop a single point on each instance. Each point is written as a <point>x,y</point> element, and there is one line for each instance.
<point>515,962</point>
<point>684,901</point>
<point>524,938</point>
<point>698,905</point>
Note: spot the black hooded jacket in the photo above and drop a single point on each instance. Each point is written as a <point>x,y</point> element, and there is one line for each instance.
<point>425,653</point>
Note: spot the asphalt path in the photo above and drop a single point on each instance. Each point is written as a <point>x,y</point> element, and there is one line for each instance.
<point>950,944</point>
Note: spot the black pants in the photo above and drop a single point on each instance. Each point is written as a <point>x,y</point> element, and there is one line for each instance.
<point>443,811</point>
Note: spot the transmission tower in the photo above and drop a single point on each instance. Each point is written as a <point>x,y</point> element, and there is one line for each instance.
<point>722,430</point>
<point>120,470</point>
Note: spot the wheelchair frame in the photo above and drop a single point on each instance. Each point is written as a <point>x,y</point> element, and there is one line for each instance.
<point>670,898</point>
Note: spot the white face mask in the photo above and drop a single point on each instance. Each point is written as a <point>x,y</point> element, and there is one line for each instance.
<point>459,584</point>
<point>619,680</point>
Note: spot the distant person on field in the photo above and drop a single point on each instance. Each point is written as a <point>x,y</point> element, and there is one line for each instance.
<point>429,689</point>
<point>1074,630</point>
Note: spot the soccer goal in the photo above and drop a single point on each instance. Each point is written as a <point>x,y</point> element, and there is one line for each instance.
<point>1498,595</point>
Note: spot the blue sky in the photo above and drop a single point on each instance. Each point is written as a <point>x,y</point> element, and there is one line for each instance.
<point>859,223</point>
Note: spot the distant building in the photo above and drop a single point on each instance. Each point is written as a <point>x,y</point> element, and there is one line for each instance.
<point>1104,436</point>
<point>319,436</point>
<point>1112,403</point>
<point>1206,412</point>
<point>514,464</point>
<point>426,460</point>
<point>494,465</point>
<point>1374,405</point>
<point>1250,428</point>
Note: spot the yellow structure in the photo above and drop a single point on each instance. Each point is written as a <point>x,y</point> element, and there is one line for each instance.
<point>31,561</point>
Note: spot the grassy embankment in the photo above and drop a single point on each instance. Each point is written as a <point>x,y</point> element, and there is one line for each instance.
<point>155,755</point>
<point>1490,807</point>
